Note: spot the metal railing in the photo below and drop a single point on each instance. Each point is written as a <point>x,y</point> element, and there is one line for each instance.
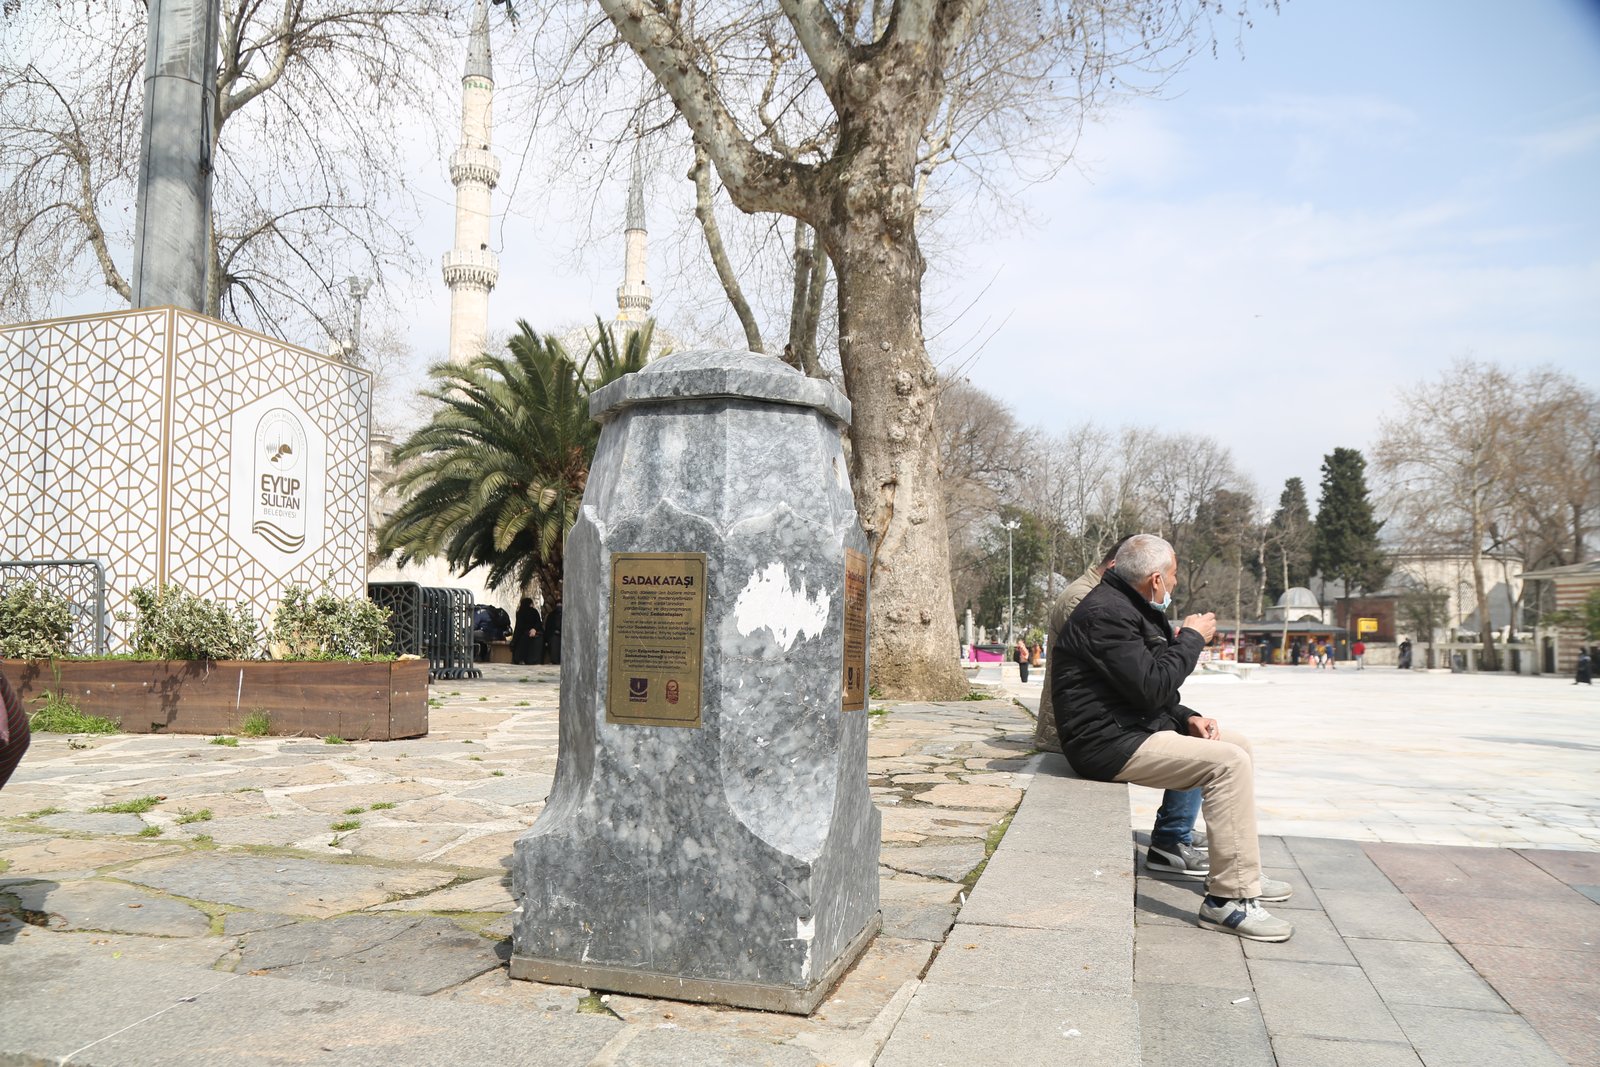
<point>431,622</point>
<point>403,602</point>
<point>447,632</point>
<point>82,582</point>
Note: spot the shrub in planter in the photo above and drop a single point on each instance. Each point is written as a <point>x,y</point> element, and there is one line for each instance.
<point>34,622</point>
<point>171,624</point>
<point>328,627</point>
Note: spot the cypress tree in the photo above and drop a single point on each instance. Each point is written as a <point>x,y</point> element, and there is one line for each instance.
<point>1345,546</point>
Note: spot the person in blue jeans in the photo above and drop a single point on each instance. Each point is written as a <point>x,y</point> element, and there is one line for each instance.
<point>1176,847</point>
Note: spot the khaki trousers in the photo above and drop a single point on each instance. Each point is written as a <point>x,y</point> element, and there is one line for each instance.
<point>1224,770</point>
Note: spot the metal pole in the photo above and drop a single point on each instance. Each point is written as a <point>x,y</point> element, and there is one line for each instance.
<point>172,228</point>
<point>358,292</point>
<point>1011,593</point>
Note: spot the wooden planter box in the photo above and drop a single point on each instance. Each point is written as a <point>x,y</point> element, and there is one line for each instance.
<point>355,701</point>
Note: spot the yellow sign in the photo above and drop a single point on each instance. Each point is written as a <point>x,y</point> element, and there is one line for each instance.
<point>855,631</point>
<point>1366,626</point>
<point>658,610</point>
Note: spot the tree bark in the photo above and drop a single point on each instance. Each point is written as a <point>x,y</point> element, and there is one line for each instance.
<point>700,174</point>
<point>862,205</point>
<point>893,390</point>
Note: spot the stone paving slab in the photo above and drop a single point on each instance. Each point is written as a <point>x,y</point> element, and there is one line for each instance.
<point>397,954</point>
<point>1464,1038</point>
<point>207,1019</point>
<point>1321,1052</point>
<point>1094,957</point>
<point>109,906</point>
<point>1190,957</point>
<point>1316,1000</point>
<point>1423,973</point>
<point>281,884</point>
<point>1202,1026</point>
<point>1386,916</point>
<point>1048,892</point>
<point>959,1026</point>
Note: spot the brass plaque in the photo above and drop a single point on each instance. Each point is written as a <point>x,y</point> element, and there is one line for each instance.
<point>855,631</point>
<point>658,611</point>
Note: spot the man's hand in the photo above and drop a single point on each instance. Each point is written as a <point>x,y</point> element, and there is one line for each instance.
<point>1201,726</point>
<point>1205,625</point>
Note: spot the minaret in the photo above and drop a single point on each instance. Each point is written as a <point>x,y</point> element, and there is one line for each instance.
<point>633,297</point>
<point>470,269</point>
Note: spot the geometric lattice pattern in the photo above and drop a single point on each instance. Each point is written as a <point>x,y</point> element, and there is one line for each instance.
<point>116,444</point>
<point>81,584</point>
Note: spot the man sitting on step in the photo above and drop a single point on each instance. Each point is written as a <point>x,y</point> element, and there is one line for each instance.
<point>1115,670</point>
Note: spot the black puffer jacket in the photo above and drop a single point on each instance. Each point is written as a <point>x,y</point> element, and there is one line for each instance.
<point>1115,669</point>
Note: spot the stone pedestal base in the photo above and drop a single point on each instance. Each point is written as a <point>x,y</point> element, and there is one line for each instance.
<point>797,1001</point>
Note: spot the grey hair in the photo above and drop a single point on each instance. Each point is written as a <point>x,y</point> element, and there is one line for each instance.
<point>1142,556</point>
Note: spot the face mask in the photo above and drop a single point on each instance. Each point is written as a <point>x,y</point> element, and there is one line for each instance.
<point>1166,602</point>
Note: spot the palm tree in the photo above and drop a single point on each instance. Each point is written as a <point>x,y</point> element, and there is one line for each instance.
<point>496,477</point>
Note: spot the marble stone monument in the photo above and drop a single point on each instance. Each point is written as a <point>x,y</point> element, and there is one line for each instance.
<point>710,835</point>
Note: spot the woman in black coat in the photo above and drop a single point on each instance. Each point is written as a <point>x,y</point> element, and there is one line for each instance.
<point>527,643</point>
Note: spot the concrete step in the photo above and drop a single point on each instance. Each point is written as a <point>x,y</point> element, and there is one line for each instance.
<point>1039,967</point>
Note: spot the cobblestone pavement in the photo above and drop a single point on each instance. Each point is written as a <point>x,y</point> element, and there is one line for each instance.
<point>383,864</point>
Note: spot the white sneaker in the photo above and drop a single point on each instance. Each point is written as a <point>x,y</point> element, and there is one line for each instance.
<point>1243,918</point>
<point>1273,891</point>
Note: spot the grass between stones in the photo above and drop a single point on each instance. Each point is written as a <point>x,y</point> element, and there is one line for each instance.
<point>151,831</point>
<point>383,805</point>
<point>227,742</point>
<point>185,818</point>
<point>595,1004</point>
<point>136,806</point>
<point>256,724</point>
<point>991,841</point>
<point>346,824</point>
<point>42,812</point>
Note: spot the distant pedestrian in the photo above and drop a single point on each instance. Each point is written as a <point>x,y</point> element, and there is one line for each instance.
<point>1021,652</point>
<point>527,638</point>
<point>552,634</point>
<point>1359,651</point>
<point>1585,670</point>
<point>1405,654</point>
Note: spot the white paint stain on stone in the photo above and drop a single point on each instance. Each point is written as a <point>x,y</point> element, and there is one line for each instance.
<point>768,601</point>
<point>805,930</point>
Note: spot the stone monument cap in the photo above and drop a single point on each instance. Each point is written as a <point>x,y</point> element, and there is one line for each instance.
<point>704,373</point>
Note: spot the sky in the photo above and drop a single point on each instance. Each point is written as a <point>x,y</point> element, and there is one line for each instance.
<point>1359,194</point>
<point>1267,252</point>
<point>1373,191</point>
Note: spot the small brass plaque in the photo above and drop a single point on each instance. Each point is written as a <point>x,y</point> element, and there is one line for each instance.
<point>658,611</point>
<point>855,631</point>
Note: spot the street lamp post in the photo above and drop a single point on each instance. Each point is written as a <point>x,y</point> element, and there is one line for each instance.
<point>358,292</point>
<point>1011,594</point>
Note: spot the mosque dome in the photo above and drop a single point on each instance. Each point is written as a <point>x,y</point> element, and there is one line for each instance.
<point>1299,597</point>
